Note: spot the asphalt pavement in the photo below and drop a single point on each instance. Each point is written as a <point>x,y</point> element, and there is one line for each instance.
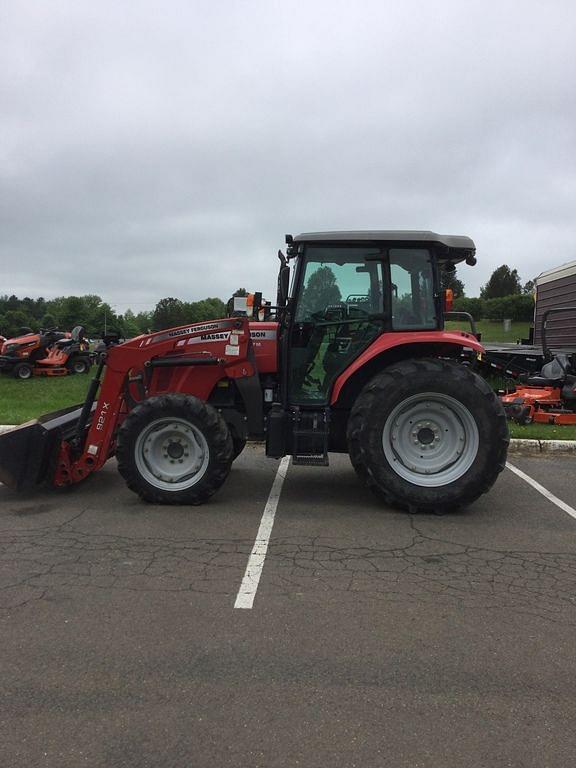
<point>376,638</point>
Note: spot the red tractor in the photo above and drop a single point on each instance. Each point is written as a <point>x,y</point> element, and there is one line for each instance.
<point>356,361</point>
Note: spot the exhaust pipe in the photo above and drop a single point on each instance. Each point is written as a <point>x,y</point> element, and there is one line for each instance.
<point>28,453</point>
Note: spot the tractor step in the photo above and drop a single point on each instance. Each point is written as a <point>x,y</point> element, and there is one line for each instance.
<point>310,438</point>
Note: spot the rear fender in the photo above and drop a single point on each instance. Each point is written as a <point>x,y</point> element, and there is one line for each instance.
<point>389,348</point>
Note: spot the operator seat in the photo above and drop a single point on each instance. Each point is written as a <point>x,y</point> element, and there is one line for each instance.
<point>552,374</point>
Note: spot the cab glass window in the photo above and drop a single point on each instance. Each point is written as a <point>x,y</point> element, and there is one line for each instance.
<point>412,280</point>
<point>339,281</point>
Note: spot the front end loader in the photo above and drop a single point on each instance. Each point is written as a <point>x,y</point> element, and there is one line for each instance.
<point>356,359</point>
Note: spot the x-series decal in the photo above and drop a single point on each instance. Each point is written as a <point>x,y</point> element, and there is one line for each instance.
<point>102,417</point>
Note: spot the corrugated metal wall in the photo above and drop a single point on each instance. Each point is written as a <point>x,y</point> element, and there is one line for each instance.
<point>560,328</point>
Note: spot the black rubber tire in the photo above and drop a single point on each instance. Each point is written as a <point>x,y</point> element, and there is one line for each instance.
<point>23,371</point>
<point>402,380</point>
<point>205,418</point>
<point>238,446</point>
<point>75,362</point>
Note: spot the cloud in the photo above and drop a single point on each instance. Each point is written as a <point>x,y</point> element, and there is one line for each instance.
<point>165,150</point>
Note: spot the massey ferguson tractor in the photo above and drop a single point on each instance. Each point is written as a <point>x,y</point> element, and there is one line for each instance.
<point>356,360</point>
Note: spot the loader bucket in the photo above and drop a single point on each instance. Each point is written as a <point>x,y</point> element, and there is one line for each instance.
<point>28,453</point>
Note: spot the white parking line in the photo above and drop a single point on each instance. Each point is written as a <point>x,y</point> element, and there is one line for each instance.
<point>247,591</point>
<point>544,491</point>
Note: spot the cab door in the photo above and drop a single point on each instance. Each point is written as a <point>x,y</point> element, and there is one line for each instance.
<point>339,311</point>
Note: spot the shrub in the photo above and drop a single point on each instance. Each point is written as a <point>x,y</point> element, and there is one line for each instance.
<point>474,307</point>
<point>514,307</point>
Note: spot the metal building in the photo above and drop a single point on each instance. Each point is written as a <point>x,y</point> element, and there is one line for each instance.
<point>556,288</point>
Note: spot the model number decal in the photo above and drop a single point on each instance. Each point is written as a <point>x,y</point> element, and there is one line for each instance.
<point>100,421</point>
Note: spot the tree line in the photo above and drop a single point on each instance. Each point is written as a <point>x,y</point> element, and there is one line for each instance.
<point>503,296</point>
<point>97,316</point>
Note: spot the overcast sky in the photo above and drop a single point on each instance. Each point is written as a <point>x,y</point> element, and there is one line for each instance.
<point>152,149</point>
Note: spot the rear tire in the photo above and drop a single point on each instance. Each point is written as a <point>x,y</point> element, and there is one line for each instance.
<point>239,444</point>
<point>174,449</point>
<point>23,371</point>
<point>428,435</point>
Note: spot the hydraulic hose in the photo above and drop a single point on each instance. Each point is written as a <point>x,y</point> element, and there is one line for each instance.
<point>78,440</point>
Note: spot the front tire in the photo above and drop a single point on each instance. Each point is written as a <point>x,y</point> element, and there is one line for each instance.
<point>174,449</point>
<point>23,371</point>
<point>428,435</point>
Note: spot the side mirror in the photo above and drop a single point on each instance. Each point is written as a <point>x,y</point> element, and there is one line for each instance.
<point>283,285</point>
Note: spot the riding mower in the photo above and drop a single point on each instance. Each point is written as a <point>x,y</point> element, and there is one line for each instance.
<point>49,353</point>
<point>548,397</point>
<point>66,356</point>
<point>20,354</point>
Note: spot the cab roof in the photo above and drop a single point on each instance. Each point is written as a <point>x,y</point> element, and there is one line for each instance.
<point>453,248</point>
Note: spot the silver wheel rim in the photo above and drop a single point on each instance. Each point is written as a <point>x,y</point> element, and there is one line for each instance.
<point>430,439</point>
<point>171,454</point>
<point>25,372</point>
<point>79,366</point>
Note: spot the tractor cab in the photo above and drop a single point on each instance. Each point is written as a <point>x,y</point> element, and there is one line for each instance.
<point>359,302</point>
<point>350,288</point>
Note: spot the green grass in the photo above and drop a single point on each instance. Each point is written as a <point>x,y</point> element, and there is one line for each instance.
<point>21,401</point>
<point>493,330</point>
<point>542,432</point>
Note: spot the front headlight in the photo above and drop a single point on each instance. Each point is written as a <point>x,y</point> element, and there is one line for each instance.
<point>8,348</point>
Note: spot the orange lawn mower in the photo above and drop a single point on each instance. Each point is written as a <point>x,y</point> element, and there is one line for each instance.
<point>548,397</point>
<point>48,353</point>
<point>18,355</point>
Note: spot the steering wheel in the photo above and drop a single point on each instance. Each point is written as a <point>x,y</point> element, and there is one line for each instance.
<point>326,313</point>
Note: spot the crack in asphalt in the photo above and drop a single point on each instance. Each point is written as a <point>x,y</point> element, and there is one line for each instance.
<point>38,563</point>
<point>430,569</point>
